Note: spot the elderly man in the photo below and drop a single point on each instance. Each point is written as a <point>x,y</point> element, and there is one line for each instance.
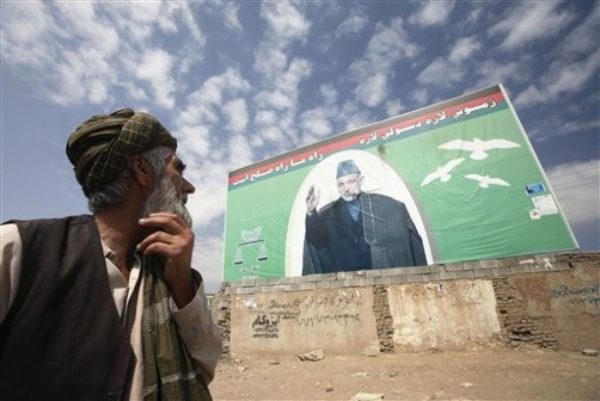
<point>359,230</point>
<point>107,307</point>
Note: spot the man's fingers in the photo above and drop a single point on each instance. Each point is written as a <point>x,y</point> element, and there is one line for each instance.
<point>165,221</point>
<point>156,237</point>
<point>160,248</point>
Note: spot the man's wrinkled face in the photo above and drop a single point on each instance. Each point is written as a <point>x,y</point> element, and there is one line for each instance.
<point>349,186</point>
<point>170,193</point>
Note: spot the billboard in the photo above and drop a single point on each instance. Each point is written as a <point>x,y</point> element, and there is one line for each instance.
<point>455,181</point>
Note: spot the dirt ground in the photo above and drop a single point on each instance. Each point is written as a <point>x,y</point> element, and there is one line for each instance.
<point>496,374</point>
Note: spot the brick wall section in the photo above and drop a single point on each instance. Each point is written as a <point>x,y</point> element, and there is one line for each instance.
<point>490,269</point>
<point>383,317</point>
<point>221,313</point>
<point>517,327</point>
<point>578,258</point>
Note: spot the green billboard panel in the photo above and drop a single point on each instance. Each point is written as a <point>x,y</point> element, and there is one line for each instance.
<point>452,182</point>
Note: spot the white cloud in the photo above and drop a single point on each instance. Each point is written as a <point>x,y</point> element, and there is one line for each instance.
<point>492,72</point>
<point>82,18</point>
<point>584,37</point>
<point>316,124</point>
<point>275,99</point>
<point>285,22</point>
<point>356,21</point>
<point>280,98</point>
<point>554,125</point>
<point>433,13</point>
<point>265,117</point>
<point>194,141</point>
<point>34,42</point>
<point>217,87</point>
<point>562,78</point>
<point>440,72</point>
<point>420,96</point>
<point>463,49</point>
<point>236,112</point>
<point>98,93</point>
<point>202,108</point>
<point>394,107</point>
<point>25,33</point>
<point>134,92</point>
<point>190,21</point>
<point>107,52</point>
<point>577,187</point>
<point>209,200</point>
<point>231,16</point>
<point>445,72</point>
<point>226,9</point>
<point>155,67</point>
<point>530,21</point>
<point>352,116</point>
<point>329,93</point>
<point>208,260</point>
<point>269,61</point>
<point>240,152</point>
<point>475,15</point>
<point>388,46</point>
<point>212,147</point>
<point>372,90</point>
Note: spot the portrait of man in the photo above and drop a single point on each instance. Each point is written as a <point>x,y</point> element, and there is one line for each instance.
<point>358,231</point>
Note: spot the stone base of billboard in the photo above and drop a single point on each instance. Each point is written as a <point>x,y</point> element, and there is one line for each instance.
<point>334,320</point>
<point>547,301</point>
<point>443,315</point>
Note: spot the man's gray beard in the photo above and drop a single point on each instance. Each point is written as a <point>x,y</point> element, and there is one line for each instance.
<point>348,198</point>
<point>164,198</point>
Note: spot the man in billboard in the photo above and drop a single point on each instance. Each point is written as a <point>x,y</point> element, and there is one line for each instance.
<point>359,230</point>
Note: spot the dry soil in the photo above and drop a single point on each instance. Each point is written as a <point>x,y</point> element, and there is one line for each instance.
<point>474,375</point>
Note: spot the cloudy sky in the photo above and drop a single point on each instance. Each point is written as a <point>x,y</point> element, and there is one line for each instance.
<point>238,82</point>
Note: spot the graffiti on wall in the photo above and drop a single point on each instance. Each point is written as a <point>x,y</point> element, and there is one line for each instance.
<point>304,310</point>
<point>586,295</point>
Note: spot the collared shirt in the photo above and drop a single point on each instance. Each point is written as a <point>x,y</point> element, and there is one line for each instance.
<point>195,325</point>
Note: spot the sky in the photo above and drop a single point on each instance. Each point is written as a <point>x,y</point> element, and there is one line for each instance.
<point>239,82</point>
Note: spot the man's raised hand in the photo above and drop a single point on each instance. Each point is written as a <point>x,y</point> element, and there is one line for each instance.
<point>173,241</point>
<point>312,199</point>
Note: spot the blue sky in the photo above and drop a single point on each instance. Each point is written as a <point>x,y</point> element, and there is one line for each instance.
<point>238,82</point>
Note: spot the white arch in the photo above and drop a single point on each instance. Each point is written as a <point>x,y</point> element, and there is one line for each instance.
<point>379,178</point>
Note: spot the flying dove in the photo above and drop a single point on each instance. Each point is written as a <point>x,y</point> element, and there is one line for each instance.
<point>485,180</point>
<point>477,147</point>
<point>443,172</point>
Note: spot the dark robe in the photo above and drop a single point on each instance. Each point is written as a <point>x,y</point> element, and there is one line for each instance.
<point>63,338</point>
<point>384,236</point>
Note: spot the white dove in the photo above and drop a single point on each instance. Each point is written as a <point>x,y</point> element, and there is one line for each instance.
<point>485,180</point>
<point>477,147</point>
<point>443,172</point>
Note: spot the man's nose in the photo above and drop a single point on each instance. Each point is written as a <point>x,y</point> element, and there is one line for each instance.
<point>188,187</point>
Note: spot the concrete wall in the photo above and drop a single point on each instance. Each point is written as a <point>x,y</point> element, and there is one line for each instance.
<point>446,315</point>
<point>548,301</point>
<point>567,303</point>
<point>301,321</point>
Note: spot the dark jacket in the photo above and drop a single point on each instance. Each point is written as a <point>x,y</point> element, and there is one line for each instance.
<point>385,233</point>
<point>63,338</point>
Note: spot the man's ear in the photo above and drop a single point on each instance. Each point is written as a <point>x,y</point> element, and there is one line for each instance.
<point>141,171</point>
